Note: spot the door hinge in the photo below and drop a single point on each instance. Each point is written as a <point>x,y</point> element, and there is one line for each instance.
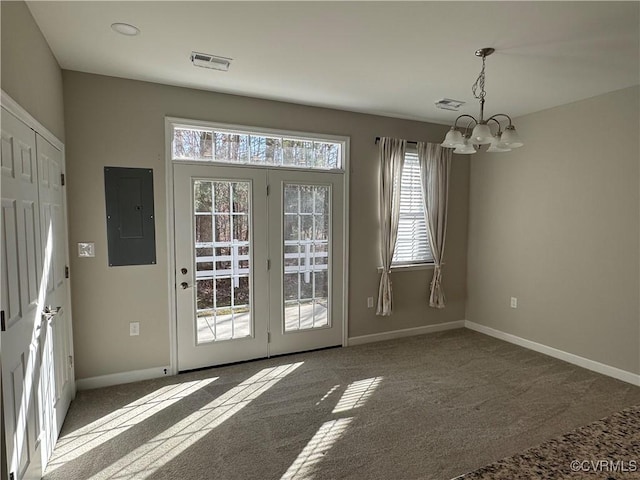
<point>268,264</point>
<point>62,182</point>
<point>3,325</point>
<point>268,189</point>
<point>66,271</point>
<point>268,337</point>
<point>70,361</point>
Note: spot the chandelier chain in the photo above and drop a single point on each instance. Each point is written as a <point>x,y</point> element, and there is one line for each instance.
<point>479,83</point>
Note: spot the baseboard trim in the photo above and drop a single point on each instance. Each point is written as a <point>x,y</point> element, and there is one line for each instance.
<point>406,332</point>
<point>120,378</point>
<point>598,367</point>
<point>625,376</point>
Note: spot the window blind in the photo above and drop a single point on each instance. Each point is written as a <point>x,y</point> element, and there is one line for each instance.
<point>412,243</point>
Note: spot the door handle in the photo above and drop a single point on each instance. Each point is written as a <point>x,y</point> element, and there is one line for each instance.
<point>184,285</point>
<point>49,312</point>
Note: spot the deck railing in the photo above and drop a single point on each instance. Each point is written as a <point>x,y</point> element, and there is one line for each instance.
<point>308,261</point>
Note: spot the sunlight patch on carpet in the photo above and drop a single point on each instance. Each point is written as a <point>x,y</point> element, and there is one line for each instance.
<point>315,450</point>
<point>326,395</point>
<point>357,394</point>
<point>96,433</point>
<point>149,457</point>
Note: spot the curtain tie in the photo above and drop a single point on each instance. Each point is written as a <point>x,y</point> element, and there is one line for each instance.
<point>436,297</point>
<point>437,276</point>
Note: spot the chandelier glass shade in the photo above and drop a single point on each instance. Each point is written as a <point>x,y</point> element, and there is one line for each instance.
<point>499,140</point>
<point>465,148</point>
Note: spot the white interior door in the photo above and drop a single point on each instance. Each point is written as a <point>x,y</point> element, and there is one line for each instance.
<point>22,298</point>
<point>37,377</point>
<point>259,262</point>
<point>306,243</point>
<point>56,380</point>
<point>221,264</point>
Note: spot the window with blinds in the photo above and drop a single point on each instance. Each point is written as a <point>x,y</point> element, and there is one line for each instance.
<point>412,243</point>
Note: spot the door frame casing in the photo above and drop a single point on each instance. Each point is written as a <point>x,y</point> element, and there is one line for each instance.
<point>16,110</point>
<point>169,205</point>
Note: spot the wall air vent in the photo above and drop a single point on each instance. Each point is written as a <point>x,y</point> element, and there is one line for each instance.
<point>206,60</point>
<point>449,104</point>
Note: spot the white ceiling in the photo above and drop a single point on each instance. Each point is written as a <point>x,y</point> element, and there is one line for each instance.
<point>389,58</point>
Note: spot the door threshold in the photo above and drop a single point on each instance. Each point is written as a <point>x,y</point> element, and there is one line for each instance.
<point>257,359</point>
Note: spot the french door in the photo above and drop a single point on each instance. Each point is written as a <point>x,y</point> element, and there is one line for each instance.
<point>306,251</point>
<point>259,262</point>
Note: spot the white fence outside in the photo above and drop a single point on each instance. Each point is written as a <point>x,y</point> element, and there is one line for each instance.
<point>308,261</point>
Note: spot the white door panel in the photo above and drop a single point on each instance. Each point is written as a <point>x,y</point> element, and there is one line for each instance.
<point>21,274</point>
<point>220,241</point>
<point>307,267</point>
<point>37,379</point>
<point>56,387</point>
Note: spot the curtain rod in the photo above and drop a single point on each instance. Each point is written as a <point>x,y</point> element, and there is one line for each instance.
<point>408,141</point>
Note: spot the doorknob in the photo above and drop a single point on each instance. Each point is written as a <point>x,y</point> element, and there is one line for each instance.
<point>183,271</point>
<point>184,285</point>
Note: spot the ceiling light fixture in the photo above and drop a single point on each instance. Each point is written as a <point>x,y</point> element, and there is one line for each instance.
<point>501,141</point>
<point>125,29</point>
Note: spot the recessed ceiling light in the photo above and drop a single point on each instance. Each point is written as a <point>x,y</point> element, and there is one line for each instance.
<point>125,29</point>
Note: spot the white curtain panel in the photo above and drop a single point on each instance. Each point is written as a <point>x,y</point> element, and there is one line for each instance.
<point>391,154</point>
<point>435,167</point>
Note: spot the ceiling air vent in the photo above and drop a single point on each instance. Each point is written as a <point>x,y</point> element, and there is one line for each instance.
<point>205,60</point>
<point>449,104</point>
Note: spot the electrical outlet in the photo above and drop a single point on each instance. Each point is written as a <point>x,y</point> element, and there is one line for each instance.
<point>134,329</point>
<point>370,302</point>
<point>514,302</point>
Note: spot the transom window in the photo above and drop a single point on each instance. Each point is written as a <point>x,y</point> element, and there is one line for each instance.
<point>263,148</point>
<point>412,242</point>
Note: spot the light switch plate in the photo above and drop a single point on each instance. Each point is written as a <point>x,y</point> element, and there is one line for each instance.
<point>86,249</point>
<point>134,329</point>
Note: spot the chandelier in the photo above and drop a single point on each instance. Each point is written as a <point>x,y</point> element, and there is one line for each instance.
<point>500,141</point>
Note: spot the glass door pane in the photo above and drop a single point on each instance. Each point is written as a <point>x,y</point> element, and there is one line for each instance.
<point>306,240</point>
<point>222,260</point>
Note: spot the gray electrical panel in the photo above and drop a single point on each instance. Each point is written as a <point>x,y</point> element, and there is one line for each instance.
<point>130,218</point>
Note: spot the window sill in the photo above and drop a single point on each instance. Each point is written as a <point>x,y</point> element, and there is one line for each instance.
<point>410,267</point>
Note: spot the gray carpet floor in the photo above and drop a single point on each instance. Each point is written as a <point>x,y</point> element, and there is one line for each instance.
<point>426,407</point>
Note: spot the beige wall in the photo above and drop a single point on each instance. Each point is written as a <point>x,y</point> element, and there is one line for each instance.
<point>30,72</point>
<point>121,122</point>
<point>556,224</point>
